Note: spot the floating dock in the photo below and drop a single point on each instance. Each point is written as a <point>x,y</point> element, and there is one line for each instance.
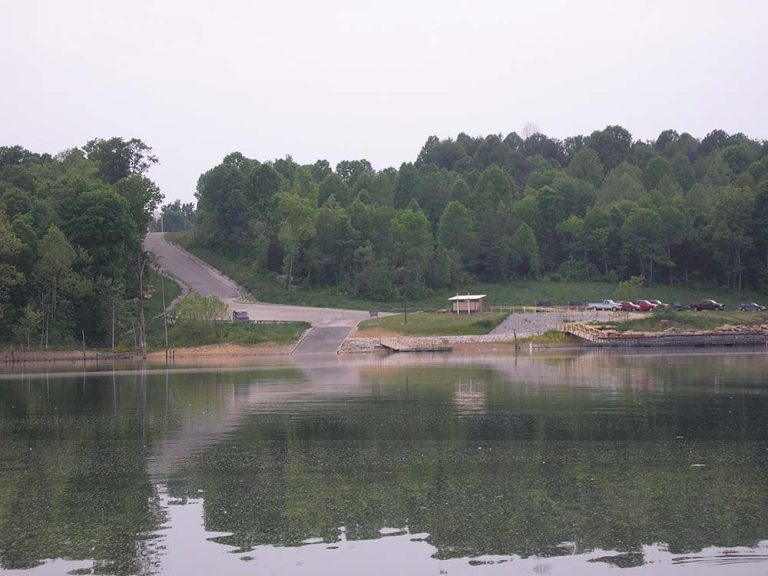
<point>411,345</point>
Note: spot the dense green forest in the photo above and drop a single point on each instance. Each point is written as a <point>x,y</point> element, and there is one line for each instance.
<point>71,233</point>
<point>678,210</point>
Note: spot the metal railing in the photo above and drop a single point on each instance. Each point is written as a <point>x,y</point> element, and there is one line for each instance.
<point>512,309</point>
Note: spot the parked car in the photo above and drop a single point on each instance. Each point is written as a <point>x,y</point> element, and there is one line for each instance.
<point>240,317</point>
<point>645,305</point>
<point>751,307</point>
<point>604,305</point>
<point>677,306</point>
<point>658,303</point>
<point>707,304</point>
<point>628,307</point>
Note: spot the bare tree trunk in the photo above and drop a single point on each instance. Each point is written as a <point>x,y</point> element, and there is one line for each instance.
<point>290,271</point>
<point>142,333</point>
<point>650,267</point>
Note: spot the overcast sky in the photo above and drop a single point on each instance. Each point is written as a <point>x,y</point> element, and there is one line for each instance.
<point>350,79</point>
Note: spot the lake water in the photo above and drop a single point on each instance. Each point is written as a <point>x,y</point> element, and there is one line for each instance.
<point>556,463</point>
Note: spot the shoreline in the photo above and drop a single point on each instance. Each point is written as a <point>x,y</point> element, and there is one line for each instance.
<point>201,354</point>
<point>355,345</point>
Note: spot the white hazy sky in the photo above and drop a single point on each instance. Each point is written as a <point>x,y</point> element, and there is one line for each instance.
<point>350,79</point>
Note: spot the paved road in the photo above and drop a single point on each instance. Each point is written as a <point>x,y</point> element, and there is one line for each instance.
<point>190,270</point>
<point>207,281</point>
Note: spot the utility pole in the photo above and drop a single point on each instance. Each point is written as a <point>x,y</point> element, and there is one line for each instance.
<point>165,318</point>
<point>142,335</point>
<point>113,323</point>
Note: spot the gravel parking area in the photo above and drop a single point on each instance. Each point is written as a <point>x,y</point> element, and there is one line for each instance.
<point>531,324</point>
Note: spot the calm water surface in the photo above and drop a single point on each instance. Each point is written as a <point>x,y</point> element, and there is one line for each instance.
<point>561,463</point>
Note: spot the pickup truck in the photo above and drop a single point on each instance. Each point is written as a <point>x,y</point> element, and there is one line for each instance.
<point>604,305</point>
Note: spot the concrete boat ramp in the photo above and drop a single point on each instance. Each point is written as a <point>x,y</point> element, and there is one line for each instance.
<point>321,340</point>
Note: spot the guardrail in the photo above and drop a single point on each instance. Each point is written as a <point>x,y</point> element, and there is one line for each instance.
<point>511,309</point>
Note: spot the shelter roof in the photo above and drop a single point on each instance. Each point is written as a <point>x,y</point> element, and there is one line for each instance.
<point>465,297</point>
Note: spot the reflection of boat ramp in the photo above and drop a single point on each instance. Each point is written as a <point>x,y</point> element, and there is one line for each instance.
<point>321,381</point>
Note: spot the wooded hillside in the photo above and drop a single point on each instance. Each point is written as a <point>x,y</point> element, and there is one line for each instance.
<point>71,233</point>
<point>676,210</point>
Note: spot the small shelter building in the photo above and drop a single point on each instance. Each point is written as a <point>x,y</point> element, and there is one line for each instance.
<point>467,304</point>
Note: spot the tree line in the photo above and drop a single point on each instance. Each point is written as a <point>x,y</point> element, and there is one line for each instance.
<point>71,233</point>
<point>677,210</point>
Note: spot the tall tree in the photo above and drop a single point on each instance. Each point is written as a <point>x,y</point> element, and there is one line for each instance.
<point>119,158</point>
<point>298,226</point>
<point>143,198</point>
<point>54,275</point>
<point>99,221</point>
<point>524,252</point>
<point>729,229</point>
<point>10,246</point>
<point>641,236</point>
<point>611,144</point>
<point>493,190</point>
<point>414,245</point>
<point>330,253</point>
<point>585,165</point>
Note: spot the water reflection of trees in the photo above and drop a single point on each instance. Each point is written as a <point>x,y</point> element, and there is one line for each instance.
<point>527,459</point>
<point>532,474</point>
<point>66,491</point>
<point>75,454</point>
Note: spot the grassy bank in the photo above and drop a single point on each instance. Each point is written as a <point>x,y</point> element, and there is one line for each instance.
<point>243,335</point>
<point>689,320</point>
<point>432,324</point>
<point>224,333</point>
<point>264,288</point>
<point>153,306</point>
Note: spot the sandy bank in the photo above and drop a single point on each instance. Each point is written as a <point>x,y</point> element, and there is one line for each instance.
<point>218,354</point>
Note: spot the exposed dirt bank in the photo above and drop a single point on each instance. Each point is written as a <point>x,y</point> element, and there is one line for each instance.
<point>200,354</point>
<point>215,353</point>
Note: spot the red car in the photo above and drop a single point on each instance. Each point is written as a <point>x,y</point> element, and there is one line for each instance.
<point>707,305</point>
<point>629,307</point>
<point>645,305</point>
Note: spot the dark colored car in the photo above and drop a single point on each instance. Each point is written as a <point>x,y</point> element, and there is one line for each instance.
<point>645,305</point>
<point>677,306</point>
<point>751,307</point>
<point>240,317</point>
<point>707,304</point>
<point>629,307</point>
